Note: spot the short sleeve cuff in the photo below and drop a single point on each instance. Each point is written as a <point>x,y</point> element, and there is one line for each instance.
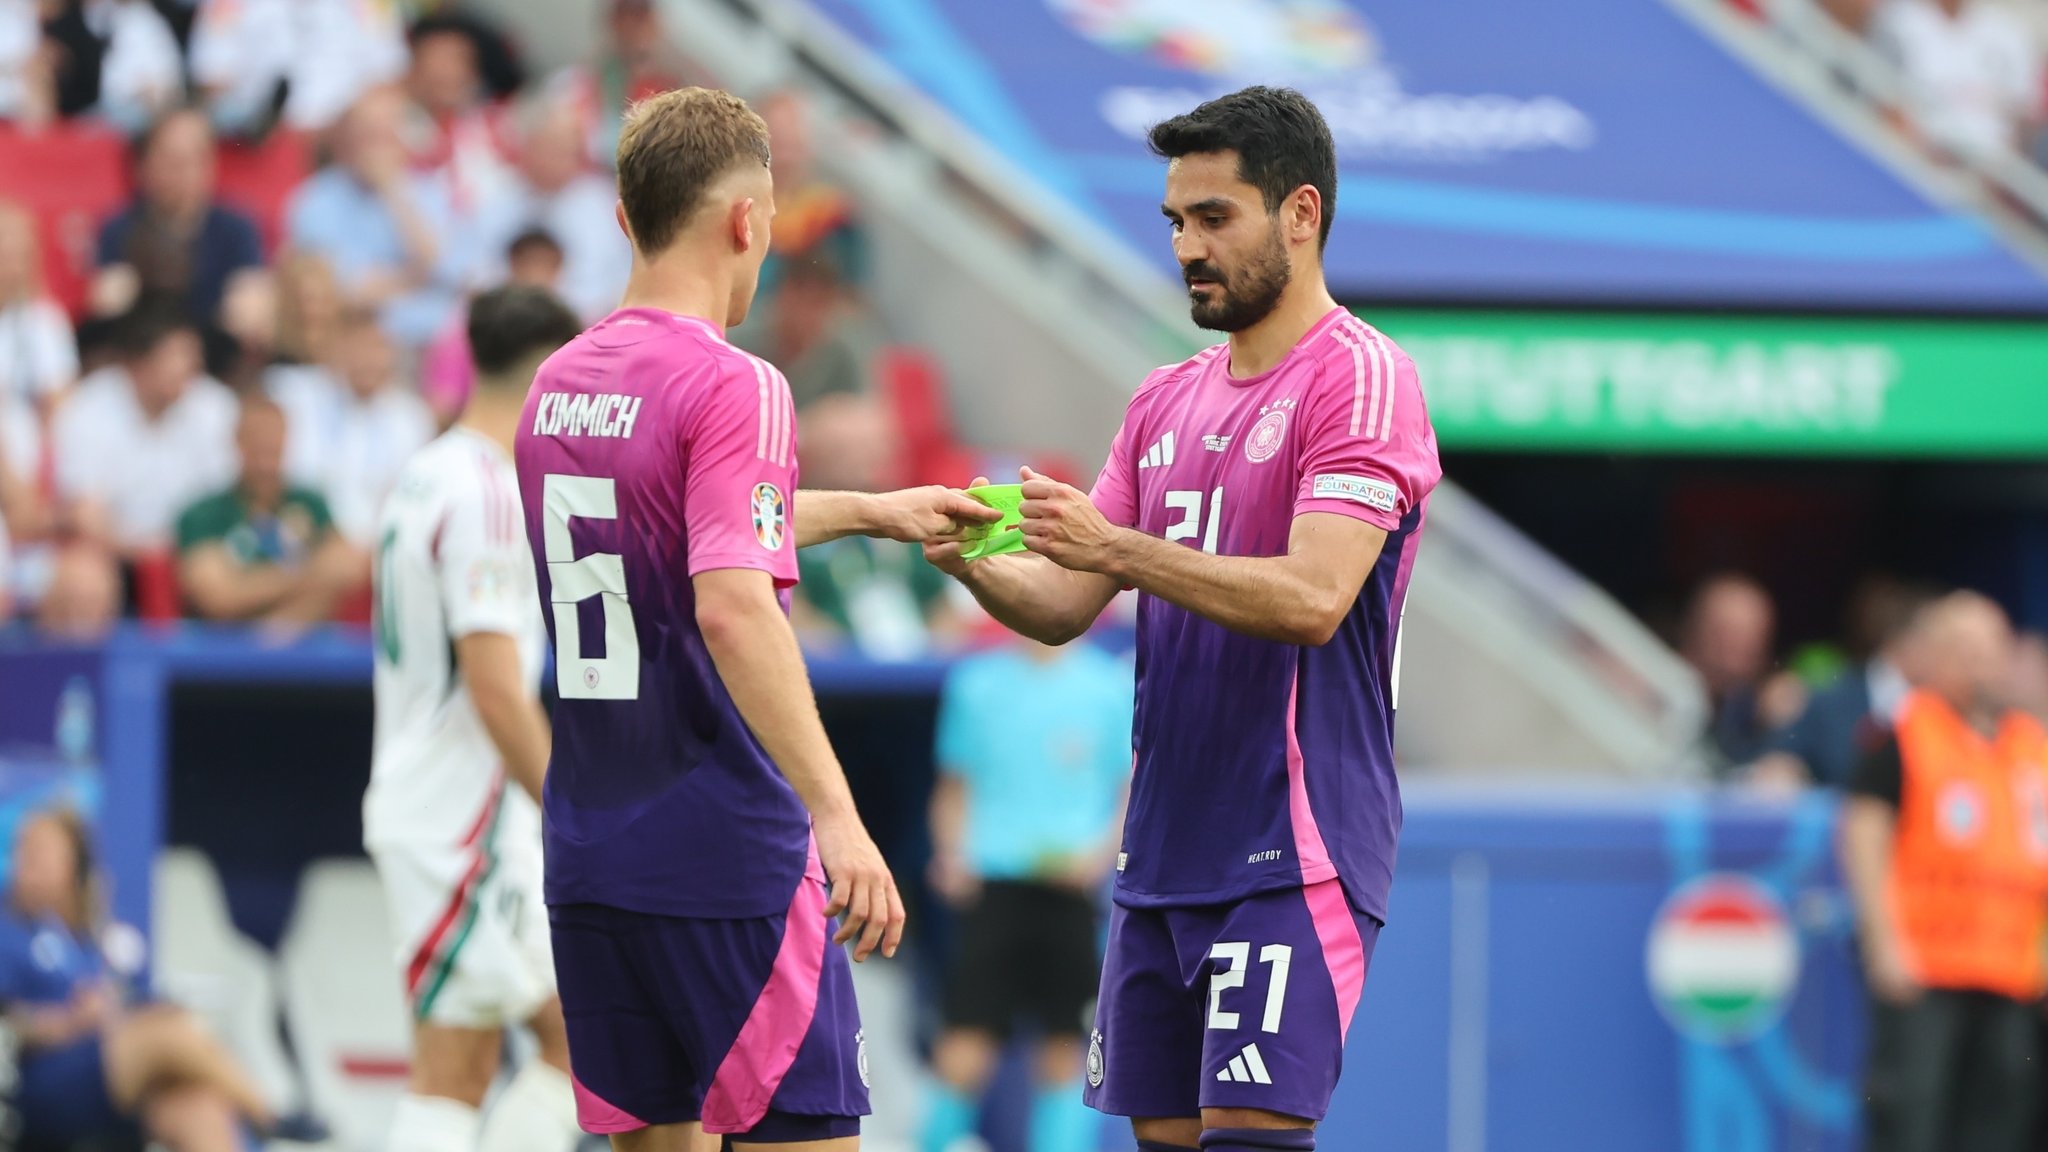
<point>1385,521</point>
<point>775,564</point>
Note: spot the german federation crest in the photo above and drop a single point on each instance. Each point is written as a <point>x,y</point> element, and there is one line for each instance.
<point>1094,1059</point>
<point>771,516</point>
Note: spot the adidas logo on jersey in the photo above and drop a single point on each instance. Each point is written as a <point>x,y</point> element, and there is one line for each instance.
<point>1247,1067</point>
<point>1159,455</point>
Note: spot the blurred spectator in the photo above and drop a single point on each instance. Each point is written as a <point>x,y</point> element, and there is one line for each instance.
<point>456,127</point>
<point>28,93</point>
<point>1026,822</point>
<point>26,522</point>
<point>38,357</point>
<point>138,442</point>
<point>1849,717</point>
<point>308,309</point>
<point>1944,843</point>
<point>392,237</point>
<point>263,549</point>
<point>878,594</point>
<point>1726,637</point>
<point>308,61</point>
<point>116,58</point>
<point>824,336</point>
<point>2030,676</point>
<point>447,374</point>
<point>1972,74</point>
<point>84,593</point>
<point>353,424</point>
<point>175,239</point>
<point>99,1063</point>
<point>556,191</point>
<point>635,61</point>
<point>815,220</point>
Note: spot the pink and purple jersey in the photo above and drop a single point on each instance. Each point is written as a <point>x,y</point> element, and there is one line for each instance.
<point>1262,765</point>
<point>651,450</point>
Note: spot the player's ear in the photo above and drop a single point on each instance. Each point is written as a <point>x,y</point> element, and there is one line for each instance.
<point>619,214</point>
<point>1302,215</point>
<point>743,225</point>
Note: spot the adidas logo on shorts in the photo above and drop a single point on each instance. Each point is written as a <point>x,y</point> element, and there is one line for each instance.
<point>1247,1067</point>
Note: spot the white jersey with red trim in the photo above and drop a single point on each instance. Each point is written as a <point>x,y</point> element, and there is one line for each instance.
<point>451,560</point>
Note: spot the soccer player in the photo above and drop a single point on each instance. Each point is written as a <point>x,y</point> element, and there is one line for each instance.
<point>1265,498</point>
<point>452,816</point>
<point>695,812</point>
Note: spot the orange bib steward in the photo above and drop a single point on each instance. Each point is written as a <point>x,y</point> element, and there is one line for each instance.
<point>1969,879</point>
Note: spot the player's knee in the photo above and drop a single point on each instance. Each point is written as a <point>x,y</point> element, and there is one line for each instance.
<point>186,1116</point>
<point>454,1063</point>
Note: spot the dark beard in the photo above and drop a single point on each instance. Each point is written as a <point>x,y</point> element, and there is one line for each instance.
<point>1237,303</point>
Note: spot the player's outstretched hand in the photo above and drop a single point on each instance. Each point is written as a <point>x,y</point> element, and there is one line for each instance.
<point>862,888</point>
<point>943,551</point>
<point>1062,524</point>
<point>914,515</point>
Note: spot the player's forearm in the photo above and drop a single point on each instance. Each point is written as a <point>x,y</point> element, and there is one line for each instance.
<point>519,731</point>
<point>756,654</point>
<point>223,590</point>
<point>1036,598</point>
<point>948,815</point>
<point>819,517</point>
<point>1866,853</point>
<point>1270,597</point>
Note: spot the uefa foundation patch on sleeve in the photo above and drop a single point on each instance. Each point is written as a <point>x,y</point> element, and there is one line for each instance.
<point>1357,489</point>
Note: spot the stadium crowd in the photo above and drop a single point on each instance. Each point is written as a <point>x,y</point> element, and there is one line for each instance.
<point>273,320</point>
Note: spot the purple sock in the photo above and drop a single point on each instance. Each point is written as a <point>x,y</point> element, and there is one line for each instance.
<point>1259,1140</point>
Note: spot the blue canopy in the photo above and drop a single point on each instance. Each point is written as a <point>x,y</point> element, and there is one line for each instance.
<point>1491,151</point>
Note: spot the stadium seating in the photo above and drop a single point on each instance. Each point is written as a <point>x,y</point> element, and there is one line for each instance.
<point>343,1001</point>
<point>203,963</point>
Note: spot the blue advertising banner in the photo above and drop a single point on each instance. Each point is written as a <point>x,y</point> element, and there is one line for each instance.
<point>1491,151</point>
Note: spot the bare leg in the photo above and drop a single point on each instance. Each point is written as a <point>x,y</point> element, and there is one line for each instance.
<point>163,1046</point>
<point>1175,1132</point>
<point>191,1119</point>
<point>668,1138</point>
<point>454,1063</point>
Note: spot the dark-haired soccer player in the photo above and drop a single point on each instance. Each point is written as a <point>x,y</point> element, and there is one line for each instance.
<point>694,810</point>
<point>1265,497</point>
<point>452,817</point>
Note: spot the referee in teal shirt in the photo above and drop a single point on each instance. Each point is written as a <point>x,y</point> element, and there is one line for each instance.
<point>1026,822</point>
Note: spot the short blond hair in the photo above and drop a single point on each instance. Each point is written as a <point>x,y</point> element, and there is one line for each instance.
<point>673,148</point>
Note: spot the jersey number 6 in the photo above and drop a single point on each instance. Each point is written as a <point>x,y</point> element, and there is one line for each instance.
<point>572,580</point>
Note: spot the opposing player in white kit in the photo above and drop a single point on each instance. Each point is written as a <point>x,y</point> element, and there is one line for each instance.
<point>452,817</point>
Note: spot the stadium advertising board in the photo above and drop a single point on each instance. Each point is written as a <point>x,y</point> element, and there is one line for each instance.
<point>1575,152</point>
<point>1619,382</point>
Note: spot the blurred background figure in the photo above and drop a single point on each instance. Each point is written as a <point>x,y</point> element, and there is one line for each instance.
<point>635,60</point>
<point>556,191</point>
<point>116,59</point>
<point>1944,843</point>
<point>175,239</point>
<point>1727,637</point>
<point>1850,716</point>
<point>141,440</point>
<point>99,1062</point>
<point>1973,73</point>
<point>38,357</point>
<point>264,550</point>
<point>878,597</point>
<point>354,421</point>
<point>455,126</point>
<point>299,62</point>
<point>1026,821</point>
<point>393,237</point>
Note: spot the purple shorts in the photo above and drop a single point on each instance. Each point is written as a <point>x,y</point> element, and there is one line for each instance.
<point>747,1025</point>
<point>1242,1005</point>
